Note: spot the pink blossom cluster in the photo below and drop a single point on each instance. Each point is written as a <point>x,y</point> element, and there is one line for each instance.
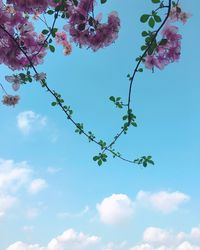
<point>168,51</point>
<point>88,31</point>
<point>176,14</point>
<point>10,100</point>
<point>61,38</point>
<point>16,29</point>
<point>29,6</point>
<point>169,48</point>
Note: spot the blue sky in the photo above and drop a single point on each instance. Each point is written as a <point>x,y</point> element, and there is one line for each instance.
<point>50,188</point>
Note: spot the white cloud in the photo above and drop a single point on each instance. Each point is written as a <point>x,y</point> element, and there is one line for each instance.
<point>6,202</point>
<point>116,209</point>
<point>156,235</point>
<point>73,215</point>
<point>22,246</point>
<point>161,239</point>
<point>163,201</point>
<point>187,246</point>
<point>142,247</point>
<point>37,185</point>
<point>13,175</point>
<point>28,120</point>
<point>114,246</point>
<point>28,229</point>
<point>70,239</point>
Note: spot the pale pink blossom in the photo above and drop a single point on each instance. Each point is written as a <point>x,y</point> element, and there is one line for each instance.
<point>10,100</point>
<point>67,49</point>
<point>184,17</point>
<point>15,80</point>
<point>40,76</point>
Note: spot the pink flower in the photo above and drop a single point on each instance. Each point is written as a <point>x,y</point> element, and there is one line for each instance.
<point>67,48</point>
<point>60,37</point>
<point>171,33</point>
<point>40,76</point>
<point>90,32</point>
<point>10,100</point>
<point>29,6</point>
<point>184,17</point>
<point>176,14</point>
<point>15,80</point>
<point>150,61</point>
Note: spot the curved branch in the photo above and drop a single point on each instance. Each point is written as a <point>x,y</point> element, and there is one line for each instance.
<point>136,70</point>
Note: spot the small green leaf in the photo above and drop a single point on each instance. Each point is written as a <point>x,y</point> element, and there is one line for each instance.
<point>52,48</point>
<point>53,103</point>
<point>155,1</point>
<point>45,32</point>
<point>99,162</point>
<point>144,164</point>
<point>144,33</point>
<point>157,18</point>
<point>143,47</point>
<point>144,18</point>
<point>112,98</point>
<point>95,158</point>
<point>50,12</point>
<point>103,1</point>
<point>151,22</point>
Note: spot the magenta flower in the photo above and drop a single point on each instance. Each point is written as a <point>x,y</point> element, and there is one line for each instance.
<point>29,6</point>
<point>88,31</point>
<point>23,31</point>
<point>150,61</point>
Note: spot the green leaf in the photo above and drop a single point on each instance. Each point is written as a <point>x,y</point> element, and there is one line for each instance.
<point>52,48</point>
<point>157,18</point>
<point>103,1</point>
<point>144,18</point>
<point>45,32</point>
<point>50,12</point>
<point>143,47</point>
<point>151,22</point>
<point>112,98</point>
<point>95,158</point>
<point>53,103</point>
<point>144,164</point>
<point>99,162</point>
<point>155,1</point>
<point>144,33</point>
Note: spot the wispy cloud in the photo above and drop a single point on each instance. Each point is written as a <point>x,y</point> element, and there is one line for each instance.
<point>53,170</point>
<point>14,178</point>
<point>37,185</point>
<point>165,202</point>
<point>28,121</point>
<point>73,215</point>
